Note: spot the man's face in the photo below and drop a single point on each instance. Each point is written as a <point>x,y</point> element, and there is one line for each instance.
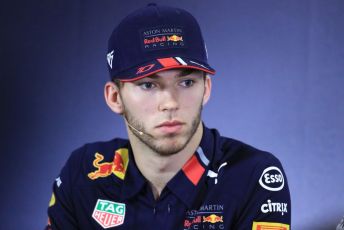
<point>166,107</point>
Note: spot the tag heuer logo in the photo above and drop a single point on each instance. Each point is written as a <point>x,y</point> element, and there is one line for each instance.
<point>109,214</point>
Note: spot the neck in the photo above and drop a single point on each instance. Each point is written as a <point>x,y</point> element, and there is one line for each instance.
<point>159,169</point>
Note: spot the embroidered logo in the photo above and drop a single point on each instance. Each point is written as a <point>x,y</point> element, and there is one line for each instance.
<point>209,216</point>
<point>274,207</point>
<point>213,174</point>
<point>162,38</point>
<point>272,179</point>
<point>109,214</point>
<point>145,68</point>
<point>213,219</point>
<point>118,166</point>
<point>269,225</point>
<point>52,200</point>
<point>58,182</point>
<point>109,58</point>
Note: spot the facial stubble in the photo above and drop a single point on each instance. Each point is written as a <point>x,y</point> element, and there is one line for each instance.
<point>152,142</point>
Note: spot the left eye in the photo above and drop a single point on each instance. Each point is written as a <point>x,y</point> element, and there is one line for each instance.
<point>187,83</point>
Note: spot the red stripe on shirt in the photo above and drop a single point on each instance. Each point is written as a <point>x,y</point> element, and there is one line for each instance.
<point>193,170</point>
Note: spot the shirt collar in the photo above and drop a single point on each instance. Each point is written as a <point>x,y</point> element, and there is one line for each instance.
<point>188,184</point>
<point>134,181</point>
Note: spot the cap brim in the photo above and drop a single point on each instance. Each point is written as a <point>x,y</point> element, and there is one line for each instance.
<point>158,65</point>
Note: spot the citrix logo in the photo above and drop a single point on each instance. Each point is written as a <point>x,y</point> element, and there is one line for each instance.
<point>274,207</point>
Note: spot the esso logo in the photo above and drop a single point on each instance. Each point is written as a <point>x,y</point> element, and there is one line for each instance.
<point>272,179</point>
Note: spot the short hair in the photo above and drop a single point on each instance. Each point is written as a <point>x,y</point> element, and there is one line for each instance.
<point>119,83</point>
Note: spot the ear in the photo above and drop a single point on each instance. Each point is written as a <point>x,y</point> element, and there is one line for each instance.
<point>113,98</point>
<point>207,89</point>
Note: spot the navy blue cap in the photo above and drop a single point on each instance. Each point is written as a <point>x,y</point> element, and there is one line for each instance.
<point>156,38</point>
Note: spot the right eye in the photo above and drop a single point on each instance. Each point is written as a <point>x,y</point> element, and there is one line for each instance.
<point>147,85</point>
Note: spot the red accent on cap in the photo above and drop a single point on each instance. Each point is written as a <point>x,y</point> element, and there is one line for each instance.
<point>193,170</point>
<point>143,69</point>
<point>167,62</point>
<point>166,68</point>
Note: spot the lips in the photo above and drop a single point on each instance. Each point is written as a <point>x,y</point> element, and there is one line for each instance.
<point>170,126</point>
<point>170,123</point>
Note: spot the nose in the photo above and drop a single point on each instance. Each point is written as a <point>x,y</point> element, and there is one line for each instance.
<point>168,100</point>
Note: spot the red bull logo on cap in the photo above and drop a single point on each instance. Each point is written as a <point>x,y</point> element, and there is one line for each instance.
<point>212,219</point>
<point>154,40</point>
<point>162,38</point>
<point>118,166</point>
<point>175,38</point>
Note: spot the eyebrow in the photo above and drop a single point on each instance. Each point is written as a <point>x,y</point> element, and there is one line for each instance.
<point>185,72</point>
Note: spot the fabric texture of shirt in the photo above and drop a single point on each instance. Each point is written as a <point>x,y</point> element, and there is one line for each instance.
<point>226,184</point>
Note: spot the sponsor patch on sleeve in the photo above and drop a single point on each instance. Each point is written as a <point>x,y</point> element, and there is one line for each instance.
<point>52,200</point>
<point>272,179</point>
<point>274,207</point>
<point>269,226</point>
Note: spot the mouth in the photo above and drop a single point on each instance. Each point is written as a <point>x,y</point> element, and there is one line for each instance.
<point>170,126</point>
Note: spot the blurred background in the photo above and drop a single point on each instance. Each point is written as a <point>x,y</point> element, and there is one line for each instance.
<point>279,87</point>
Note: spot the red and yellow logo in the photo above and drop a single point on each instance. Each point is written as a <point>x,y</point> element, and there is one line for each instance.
<point>118,166</point>
<point>269,226</point>
<point>175,38</point>
<point>212,219</point>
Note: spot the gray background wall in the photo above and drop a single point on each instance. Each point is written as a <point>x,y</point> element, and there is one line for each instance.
<point>279,87</point>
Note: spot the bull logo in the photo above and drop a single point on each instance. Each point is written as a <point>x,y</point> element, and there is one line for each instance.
<point>175,38</point>
<point>118,166</point>
<point>212,219</point>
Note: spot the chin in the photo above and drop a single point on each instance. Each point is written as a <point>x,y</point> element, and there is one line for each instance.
<point>167,148</point>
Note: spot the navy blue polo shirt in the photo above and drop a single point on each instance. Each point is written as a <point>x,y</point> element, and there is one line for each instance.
<point>226,184</point>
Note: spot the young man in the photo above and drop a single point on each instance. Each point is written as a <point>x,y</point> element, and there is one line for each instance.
<point>173,172</point>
